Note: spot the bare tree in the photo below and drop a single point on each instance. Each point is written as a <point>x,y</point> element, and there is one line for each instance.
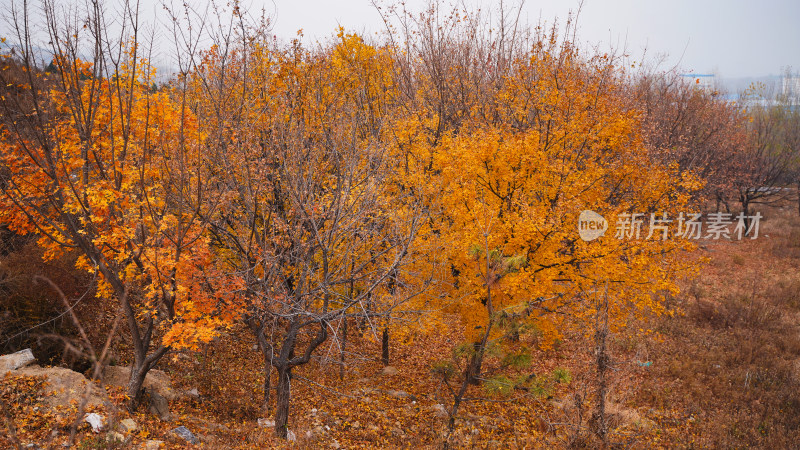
<point>771,155</point>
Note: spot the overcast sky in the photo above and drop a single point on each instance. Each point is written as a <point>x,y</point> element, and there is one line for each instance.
<point>733,38</point>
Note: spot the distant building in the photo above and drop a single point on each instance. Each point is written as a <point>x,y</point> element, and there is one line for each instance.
<point>704,81</point>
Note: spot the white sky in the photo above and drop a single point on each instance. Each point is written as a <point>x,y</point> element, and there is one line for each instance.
<point>733,38</point>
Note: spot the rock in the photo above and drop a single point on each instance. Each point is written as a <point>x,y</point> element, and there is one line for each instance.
<point>266,423</point>
<point>115,437</point>
<point>95,420</point>
<point>156,380</point>
<point>373,428</point>
<point>356,425</point>
<point>16,360</point>
<point>290,436</point>
<point>389,371</point>
<point>64,386</point>
<point>440,411</point>
<point>335,444</point>
<point>397,432</point>
<point>128,426</point>
<point>184,433</point>
<point>318,430</point>
<point>194,393</point>
<point>402,394</point>
<point>159,406</point>
<point>152,444</point>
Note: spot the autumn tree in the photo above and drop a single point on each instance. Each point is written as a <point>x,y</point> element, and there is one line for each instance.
<point>506,175</point>
<point>308,218</point>
<point>97,162</point>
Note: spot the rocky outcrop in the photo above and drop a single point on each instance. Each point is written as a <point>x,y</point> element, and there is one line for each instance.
<point>155,381</point>
<point>64,386</point>
<point>183,433</point>
<point>16,360</point>
<point>158,405</point>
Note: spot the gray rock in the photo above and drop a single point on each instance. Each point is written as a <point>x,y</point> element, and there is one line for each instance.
<point>16,360</point>
<point>115,437</point>
<point>128,426</point>
<point>152,444</point>
<point>266,423</point>
<point>440,411</point>
<point>389,371</point>
<point>184,433</point>
<point>159,405</point>
<point>402,394</point>
<point>156,380</point>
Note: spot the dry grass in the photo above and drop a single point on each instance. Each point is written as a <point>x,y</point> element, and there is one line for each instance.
<point>722,371</point>
<point>729,366</point>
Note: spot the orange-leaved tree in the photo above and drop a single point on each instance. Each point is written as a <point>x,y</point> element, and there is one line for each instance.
<point>94,159</point>
<point>506,182</point>
<point>306,218</point>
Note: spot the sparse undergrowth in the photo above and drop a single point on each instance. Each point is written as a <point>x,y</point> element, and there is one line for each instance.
<point>723,369</point>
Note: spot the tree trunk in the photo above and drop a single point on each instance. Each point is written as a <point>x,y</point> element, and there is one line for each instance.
<point>341,354</point>
<point>267,384</point>
<point>135,386</point>
<point>603,361</point>
<point>798,197</point>
<point>746,211</point>
<point>257,327</point>
<point>282,397</point>
<point>385,347</point>
<point>476,363</point>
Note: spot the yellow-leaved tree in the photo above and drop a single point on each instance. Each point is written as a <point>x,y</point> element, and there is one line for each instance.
<point>307,218</point>
<point>94,159</point>
<point>543,132</point>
